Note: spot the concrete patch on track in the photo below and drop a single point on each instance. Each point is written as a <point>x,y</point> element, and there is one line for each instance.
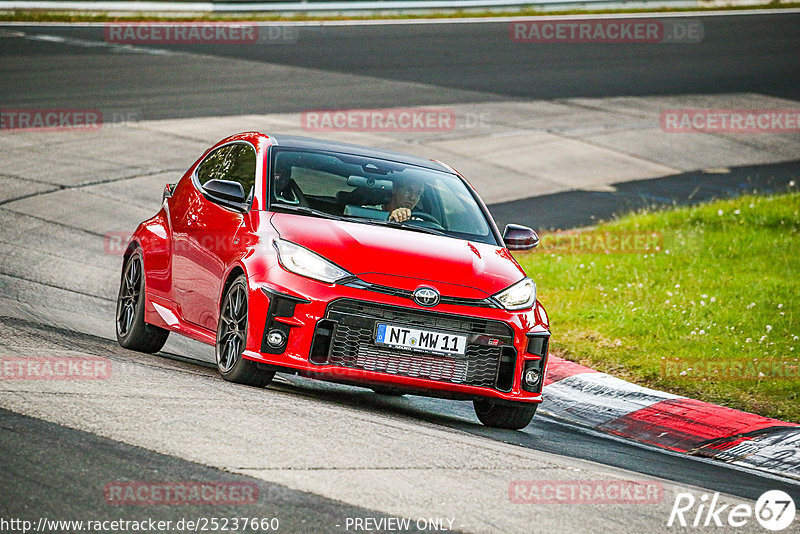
<point>512,150</point>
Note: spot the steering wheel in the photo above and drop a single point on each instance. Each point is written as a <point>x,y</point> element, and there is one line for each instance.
<point>420,216</point>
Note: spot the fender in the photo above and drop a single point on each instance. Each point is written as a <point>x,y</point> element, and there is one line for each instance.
<point>152,237</point>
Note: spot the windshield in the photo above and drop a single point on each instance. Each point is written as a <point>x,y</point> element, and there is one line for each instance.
<point>369,190</point>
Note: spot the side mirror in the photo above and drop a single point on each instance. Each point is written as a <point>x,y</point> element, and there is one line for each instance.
<point>517,237</point>
<point>225,190</point>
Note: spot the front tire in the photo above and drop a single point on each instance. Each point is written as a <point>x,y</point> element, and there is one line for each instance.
<point>232,337</point>
<point>505,416</point>
<point>132,332</point>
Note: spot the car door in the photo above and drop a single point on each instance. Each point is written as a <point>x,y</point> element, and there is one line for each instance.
<point>205,235</point>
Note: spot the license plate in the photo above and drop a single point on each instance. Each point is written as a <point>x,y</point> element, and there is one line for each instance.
<point>404,337</point>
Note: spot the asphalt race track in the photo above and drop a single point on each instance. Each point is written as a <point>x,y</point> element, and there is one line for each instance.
<point>322,453</point>
<point>352,66</point>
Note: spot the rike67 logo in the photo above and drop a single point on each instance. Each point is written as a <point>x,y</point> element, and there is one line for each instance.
<point>774,510</point>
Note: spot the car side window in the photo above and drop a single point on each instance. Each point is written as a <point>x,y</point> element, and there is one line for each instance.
<point>235,162</point>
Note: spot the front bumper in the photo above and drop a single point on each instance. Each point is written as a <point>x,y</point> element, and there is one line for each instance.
<point>329,335</point>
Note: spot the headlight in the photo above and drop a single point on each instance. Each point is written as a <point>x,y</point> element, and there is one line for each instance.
<point>302,261</point>
<point>520,296</point>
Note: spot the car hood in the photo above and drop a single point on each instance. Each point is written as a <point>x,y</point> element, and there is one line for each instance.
<point>404,259</point>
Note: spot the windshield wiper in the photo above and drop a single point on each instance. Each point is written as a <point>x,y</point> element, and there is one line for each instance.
<point>423,229</point>
<point>393,224</point>
<point>308,211</point>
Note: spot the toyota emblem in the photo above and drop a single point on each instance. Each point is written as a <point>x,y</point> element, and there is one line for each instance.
<point>426,296</point>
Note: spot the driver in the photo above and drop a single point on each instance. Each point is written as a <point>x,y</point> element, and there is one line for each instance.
<point>406,193</point>
<point>281,177</point>
<point>284,188</point>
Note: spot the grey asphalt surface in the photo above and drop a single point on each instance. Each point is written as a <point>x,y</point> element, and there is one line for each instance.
<point>58,473</point>
<point>84,463</point>
<point>573,209</point>
<point>361,67</point>
<point>364,64</point>
<point>549,435</point>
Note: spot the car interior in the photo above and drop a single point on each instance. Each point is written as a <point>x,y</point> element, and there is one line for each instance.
<point>355,186</point>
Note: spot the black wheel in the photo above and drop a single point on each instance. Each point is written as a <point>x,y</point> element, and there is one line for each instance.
<point>132,332</point>
<point>504,415</point>
<point>231,339</point>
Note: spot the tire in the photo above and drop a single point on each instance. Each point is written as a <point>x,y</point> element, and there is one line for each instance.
<point>231,339</point>
<point>503,415</point>
<point>132,332</point>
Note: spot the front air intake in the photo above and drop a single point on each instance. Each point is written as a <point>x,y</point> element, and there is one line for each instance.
<point>321,345</point>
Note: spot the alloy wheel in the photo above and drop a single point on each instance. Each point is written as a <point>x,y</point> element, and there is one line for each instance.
<point>234,327</point>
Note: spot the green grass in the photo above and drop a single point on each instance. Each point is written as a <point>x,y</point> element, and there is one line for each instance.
<point>73,16</point>
<point>722,289</point>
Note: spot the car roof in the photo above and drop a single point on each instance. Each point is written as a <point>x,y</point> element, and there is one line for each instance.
<point>308,143</point>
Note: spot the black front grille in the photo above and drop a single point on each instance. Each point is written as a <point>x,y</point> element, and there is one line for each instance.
<point>353,344</point>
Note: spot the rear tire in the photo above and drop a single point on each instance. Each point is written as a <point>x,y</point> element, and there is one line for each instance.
<point>132,332</point>
<point>232,337</point>
<point>505,416</point>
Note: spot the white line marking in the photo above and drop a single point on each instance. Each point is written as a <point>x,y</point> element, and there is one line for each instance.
<point>87,43</point>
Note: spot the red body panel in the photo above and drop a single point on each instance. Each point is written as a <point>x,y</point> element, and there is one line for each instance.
<point>192,245</point>
<point>388,255</point>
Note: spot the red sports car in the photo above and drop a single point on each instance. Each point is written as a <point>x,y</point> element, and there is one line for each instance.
<point>341,263</point>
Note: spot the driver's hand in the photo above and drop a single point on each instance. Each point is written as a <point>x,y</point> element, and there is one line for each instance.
<point>400,215</point>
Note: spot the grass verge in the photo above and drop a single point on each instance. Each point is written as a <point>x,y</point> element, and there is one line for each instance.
<point>699,301</point>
